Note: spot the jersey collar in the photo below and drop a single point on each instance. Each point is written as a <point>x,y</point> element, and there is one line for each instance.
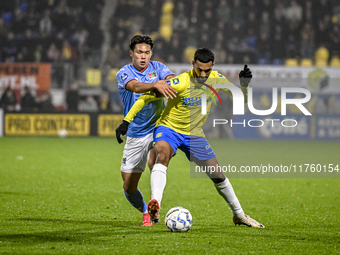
<point>141,70</point>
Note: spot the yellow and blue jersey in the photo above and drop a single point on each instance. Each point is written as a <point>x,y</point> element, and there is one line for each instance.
<point>145,120</point>
<point>183,113</point>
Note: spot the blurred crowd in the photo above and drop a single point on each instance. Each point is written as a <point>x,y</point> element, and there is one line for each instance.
<point>238,31</point>
<point>49,30</point>
<point>28,100</point>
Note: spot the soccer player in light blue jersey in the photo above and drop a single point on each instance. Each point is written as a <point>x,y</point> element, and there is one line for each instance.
<point>134,79</point>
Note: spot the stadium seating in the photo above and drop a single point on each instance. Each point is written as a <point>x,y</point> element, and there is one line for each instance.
<point>306,62</point>
<point>168,7</point>
<point>189,53</point>
<point>321,63</point>
<point>321,56</point>
<point>263,61</point>
<point>291,62</point>
<point>335,61</point>
<point>212,18</point>
<point>277,62</point>
<point>166,21</point>
<point>166,32</point>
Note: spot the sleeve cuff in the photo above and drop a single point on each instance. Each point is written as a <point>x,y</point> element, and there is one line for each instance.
<point>168,75</point>
<point>128,82</point>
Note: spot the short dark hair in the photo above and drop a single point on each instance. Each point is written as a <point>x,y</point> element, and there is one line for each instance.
<point>140,39</point>
<point>204,55</point>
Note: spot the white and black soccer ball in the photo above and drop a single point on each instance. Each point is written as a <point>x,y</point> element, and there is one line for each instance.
<point>62,132</point>
<point>178,219</point>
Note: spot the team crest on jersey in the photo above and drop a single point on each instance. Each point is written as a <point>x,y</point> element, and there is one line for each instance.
<point>159,135</point>
<point>124,76</point>
<point>175,81</point>
<point>152,75</point>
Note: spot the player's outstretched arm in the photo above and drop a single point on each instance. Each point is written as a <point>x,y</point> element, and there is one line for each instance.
<point>136,108</point>
<point>140,87</point>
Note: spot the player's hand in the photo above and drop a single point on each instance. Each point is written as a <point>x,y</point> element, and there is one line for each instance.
<point>245,76</point>
<point>121,130</point>
<point>165,89</point>
<point>156,93</point>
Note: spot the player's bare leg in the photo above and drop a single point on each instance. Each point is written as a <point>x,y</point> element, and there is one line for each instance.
<point>215,176</point>
<point>225,189</point>
<point>163,152</point>
<point>134,196</point>
<point>130,182</point>
<point>151,158</point>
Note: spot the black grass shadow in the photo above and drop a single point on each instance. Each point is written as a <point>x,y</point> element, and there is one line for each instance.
<point>82,231</point>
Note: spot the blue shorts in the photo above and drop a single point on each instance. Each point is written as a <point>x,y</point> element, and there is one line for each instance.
<point>193,146</point>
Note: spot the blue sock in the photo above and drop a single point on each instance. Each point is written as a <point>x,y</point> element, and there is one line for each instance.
<point>136,200</point>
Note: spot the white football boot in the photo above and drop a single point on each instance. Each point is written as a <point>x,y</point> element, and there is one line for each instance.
<point>248,221</point>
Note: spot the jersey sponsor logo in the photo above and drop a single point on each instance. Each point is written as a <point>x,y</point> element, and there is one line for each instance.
<point>159,135</point>
<point>193,101</point>
<point>152,75</point>
<point>124,76</point>
<point>124,161</point>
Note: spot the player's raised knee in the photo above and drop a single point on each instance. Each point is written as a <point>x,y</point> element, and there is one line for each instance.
<point>163,157</point>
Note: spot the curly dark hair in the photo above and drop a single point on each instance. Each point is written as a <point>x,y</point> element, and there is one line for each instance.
<point>204,55</point>
<point>140,39</point>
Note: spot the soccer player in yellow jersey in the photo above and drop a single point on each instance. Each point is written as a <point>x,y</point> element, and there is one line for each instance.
<point>180,126</point>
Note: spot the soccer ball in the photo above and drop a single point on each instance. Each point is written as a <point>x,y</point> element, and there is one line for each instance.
<point>62,132</point>
<point>178,219</point>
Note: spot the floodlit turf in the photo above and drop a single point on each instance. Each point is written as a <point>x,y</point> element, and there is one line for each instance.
<point>64,195</point>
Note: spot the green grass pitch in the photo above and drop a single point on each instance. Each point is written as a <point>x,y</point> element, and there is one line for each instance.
<point>65,196</point>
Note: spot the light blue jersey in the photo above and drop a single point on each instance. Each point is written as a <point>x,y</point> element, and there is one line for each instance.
<point>145,121</point>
